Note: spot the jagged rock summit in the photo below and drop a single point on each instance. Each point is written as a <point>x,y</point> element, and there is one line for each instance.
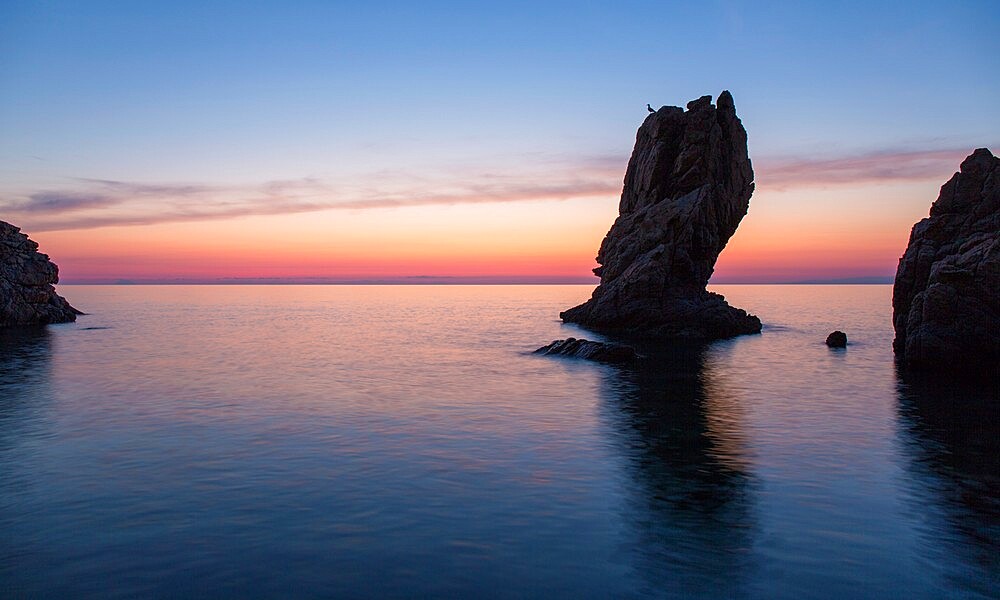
<point>946,297</point>
<point>26,278</point>
<point>687,187</point>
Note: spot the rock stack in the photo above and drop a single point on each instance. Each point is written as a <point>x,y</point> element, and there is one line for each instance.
<point>687,187</point>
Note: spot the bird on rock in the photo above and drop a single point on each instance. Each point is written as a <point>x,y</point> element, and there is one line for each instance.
<point>649,108</point>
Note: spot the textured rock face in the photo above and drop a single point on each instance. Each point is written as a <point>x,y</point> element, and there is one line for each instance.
<point>687,188</point>
<point>26,277</point>
<point>946,297</point>
<point>599,351</point>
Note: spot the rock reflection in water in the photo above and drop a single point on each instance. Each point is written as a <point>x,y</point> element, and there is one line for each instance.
<point>951,433</point>
<point>24,371</point>
<point>24,354</point>
<point>690,494</point>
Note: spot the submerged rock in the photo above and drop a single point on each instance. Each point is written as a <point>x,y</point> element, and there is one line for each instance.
<point>687,187</point>
<point>837,339</point>
<point>599,351</point>
<point>26,278</point>
<point>946,297</point>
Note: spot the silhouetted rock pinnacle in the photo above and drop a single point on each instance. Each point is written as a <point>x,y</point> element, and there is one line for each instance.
<point>687,188</point>
<point>26,277</point>
<point>946,297</point>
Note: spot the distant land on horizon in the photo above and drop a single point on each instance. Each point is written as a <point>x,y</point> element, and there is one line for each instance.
<point>454,280</point>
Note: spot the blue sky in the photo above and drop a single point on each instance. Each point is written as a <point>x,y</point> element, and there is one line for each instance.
<point>285,88</point>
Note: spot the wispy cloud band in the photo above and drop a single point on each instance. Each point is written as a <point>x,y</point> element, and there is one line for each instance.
<point>94,203</point>
<point>878,166</point>
<point>90,203</point>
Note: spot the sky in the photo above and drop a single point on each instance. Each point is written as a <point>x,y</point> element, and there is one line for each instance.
<point>435,141</point>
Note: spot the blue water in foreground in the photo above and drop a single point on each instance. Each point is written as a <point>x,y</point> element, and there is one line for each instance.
<point>337,441</point>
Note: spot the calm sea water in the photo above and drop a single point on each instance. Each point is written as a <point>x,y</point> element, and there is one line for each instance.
<point>336,441</point>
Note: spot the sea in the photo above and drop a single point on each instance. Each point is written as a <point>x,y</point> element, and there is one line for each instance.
<point>403,442</point>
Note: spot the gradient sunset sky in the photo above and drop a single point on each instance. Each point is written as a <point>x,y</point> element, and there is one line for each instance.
<point>375,141</point>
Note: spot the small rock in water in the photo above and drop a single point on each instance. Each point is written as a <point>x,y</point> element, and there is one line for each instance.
<point>599,351</point>
<point>837,339</point>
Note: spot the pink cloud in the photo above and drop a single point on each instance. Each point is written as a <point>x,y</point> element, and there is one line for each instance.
<point>877,166</point>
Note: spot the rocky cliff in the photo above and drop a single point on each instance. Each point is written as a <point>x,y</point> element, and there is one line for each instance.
<point>946,297</point>
<point>26,278</point>
<point>687,187</point>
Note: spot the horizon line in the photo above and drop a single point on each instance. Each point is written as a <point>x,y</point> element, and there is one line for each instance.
<point>445,280</point>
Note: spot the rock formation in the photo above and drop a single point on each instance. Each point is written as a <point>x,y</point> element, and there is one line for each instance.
<point>687,187</point>
<point>26,277</point>
<point>837,339</point>
<point>946,297</point>
<point>599,351</point>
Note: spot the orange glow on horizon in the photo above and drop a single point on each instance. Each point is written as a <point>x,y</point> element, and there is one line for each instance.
<point>787,235</point>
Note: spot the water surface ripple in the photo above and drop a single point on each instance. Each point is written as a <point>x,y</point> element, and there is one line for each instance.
<point>401,441</point>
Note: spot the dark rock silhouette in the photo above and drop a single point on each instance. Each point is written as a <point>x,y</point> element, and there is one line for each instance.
<point>687,187</point>
<point>599,351</point>
<point>26,278</point>
<point>837,339</point>
<point>945,300</point>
